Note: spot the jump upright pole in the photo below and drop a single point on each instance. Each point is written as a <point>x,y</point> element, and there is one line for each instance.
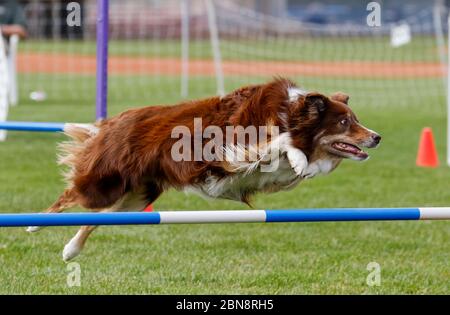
<point>229,216</point>
<point>102,58</point>
<point>102,80</point>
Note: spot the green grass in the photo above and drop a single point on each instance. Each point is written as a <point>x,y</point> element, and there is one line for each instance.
<point>287,258</point>
<point>129,90</point>
<point>421,48</point>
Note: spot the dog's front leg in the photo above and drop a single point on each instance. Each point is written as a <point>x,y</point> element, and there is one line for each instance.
<point>297,159</point>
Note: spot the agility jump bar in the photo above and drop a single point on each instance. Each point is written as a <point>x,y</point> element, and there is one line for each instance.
<point>228,216</point>
<point>32,126</point>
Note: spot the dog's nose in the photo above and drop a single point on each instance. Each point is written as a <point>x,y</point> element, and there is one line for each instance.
<point>376,138</point>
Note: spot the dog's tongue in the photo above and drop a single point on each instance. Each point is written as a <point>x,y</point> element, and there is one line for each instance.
<point>356,151</point>
<point>351,149</point>
<point>347,147</point>
<point>362,154</point>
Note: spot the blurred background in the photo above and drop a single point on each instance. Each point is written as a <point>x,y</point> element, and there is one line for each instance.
<point>321,44</point>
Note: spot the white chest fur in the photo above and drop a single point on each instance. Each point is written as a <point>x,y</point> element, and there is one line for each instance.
<point>321,166</point>
<point>232,187</point>
<point>283,178</point>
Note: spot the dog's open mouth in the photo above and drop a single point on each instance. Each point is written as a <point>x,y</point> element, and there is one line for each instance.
<point>350,150</point>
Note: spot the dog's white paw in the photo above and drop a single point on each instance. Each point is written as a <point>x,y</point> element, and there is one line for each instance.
<point>298,161</point>
<point>33,229</point>
<point>310,171</point>
<point>71,250</point>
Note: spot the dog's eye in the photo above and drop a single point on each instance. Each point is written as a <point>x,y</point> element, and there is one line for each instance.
<point>344,121</point>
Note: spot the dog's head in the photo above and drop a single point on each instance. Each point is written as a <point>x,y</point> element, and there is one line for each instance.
<point>334,127</point>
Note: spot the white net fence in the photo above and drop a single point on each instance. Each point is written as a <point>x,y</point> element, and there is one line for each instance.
<point>358,59</point>
<point>149,63</point>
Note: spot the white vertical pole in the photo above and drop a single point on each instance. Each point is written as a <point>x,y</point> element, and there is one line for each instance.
<point>4,86</point>
<point>439,5</point>
<point>214,36</point>
<point>55,12</point>
<point>440,38</point>
<point>12,69</point>
<point>448,90</point>
<point>184,48</point>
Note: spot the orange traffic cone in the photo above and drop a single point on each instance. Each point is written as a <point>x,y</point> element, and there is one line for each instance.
<point>149,208</point>
<point>427,155</point>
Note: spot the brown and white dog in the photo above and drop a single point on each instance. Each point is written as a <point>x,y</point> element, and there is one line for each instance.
<point>126,162</point>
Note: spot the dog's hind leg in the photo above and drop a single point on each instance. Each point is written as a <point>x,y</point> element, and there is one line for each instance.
<point>130,202</point>
<point>76,244</point>
<point>65,201</point>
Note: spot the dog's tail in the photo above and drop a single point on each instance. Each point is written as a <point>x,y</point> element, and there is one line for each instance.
<point>71,151</point>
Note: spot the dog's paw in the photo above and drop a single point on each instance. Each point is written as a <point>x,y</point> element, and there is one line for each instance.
<point>33,229</point>
<point>71,250</point>
<point>308,175</point>
<point>298,161</point>
<point>311,171</point>
<point>299,169</point>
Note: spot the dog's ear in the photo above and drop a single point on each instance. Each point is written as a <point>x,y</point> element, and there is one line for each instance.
<point>340,97</point>
<point>308,111</point>
<point>315,103</point>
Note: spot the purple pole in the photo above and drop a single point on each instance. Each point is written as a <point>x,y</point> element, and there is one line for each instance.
<point>102,58</point>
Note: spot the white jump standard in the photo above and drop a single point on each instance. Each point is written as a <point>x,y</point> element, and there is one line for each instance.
<point>228,216</point>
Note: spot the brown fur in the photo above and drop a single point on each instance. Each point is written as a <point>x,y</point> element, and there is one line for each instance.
<point>131,152</point>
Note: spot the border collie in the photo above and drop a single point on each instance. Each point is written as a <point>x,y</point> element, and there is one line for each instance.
<point>126,162</point>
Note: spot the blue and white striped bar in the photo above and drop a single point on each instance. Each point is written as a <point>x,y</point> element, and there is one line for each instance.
<point>228,216</point>
<point>32,126</point>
